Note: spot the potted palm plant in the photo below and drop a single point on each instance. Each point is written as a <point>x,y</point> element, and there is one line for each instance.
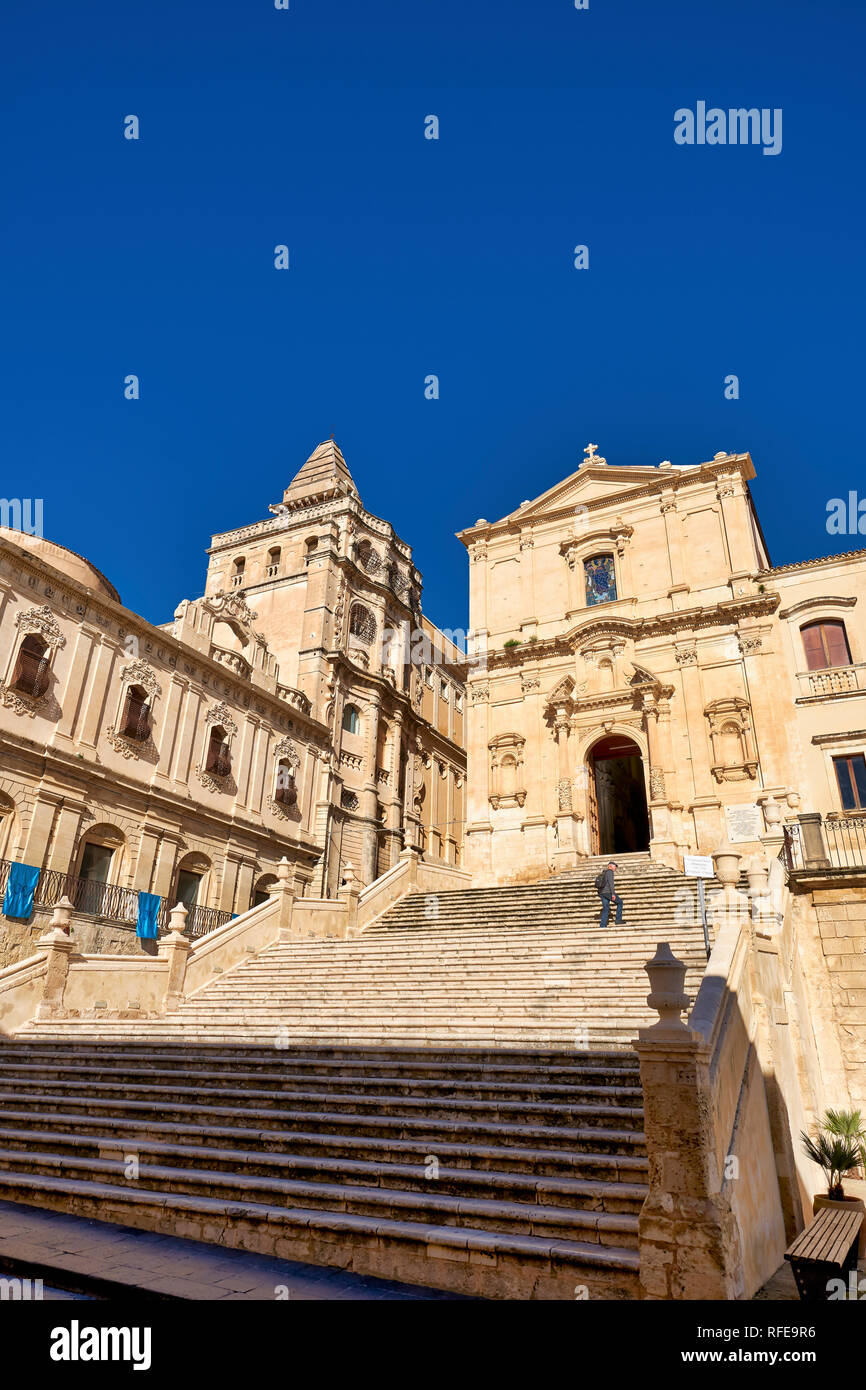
<point>839,1148</point>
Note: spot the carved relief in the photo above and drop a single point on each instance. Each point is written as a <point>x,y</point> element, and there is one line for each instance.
<point>42,623</point>
<point>141,673</point>
<point>221,714</point>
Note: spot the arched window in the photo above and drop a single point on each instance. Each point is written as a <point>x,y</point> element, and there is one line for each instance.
<point>599,575</point>
<point>31,668</point>
<point>135,721</point>
<point>825,644</point>
<point>351,720</point>
<point>219,760</point>
<point>311,545</point>
<point>286,791</point>
<point>262,890</point>
<point>368,558</point>
<point>238,568</point>
<point>273,565</point>
<point>362,624</point>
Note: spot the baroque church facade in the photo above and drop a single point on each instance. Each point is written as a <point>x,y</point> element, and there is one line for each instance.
<point>644,678</point>
<point>274,717</point>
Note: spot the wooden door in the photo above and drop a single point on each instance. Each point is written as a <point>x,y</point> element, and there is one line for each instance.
<point>593,808</point>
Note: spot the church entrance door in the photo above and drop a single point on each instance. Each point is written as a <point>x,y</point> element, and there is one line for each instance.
<point>619,821</point>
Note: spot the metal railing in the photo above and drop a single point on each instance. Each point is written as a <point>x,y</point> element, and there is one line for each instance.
<point>836,841</point>
<point>110,901</point>
<point>792,849</point>
<point>846,840</point>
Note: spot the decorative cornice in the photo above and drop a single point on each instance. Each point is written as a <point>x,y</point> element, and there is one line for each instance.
<point>667,481</point>
<point>825,601</point>
<point>724,614</point>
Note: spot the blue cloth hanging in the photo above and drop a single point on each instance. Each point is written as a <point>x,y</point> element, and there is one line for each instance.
<point>20,890</point>
<point>148,907</point>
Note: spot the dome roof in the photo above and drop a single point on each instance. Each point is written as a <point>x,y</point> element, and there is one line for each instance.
<point>59,558</point>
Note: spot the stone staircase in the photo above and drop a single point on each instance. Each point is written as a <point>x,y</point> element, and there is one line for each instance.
<point>450,1100</point>
<point>508,966</point>
<point>499,1173</point>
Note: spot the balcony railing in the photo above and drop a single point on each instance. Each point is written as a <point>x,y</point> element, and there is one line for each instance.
<point>834,841</point>
<point>846,840</point>
<point>109,901</point>
<point>833,680</point>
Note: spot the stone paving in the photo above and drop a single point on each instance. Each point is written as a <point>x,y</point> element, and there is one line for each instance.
<point>107,1261</point>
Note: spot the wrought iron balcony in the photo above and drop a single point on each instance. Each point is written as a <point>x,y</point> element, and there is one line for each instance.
<point>109,901</point>
<point>834,841</point>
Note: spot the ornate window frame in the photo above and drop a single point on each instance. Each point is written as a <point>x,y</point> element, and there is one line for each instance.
<point>577,549</point>
<point>32,622</point>
<point>285,752</point>
<point>138,672</point>
<point>219,715</point>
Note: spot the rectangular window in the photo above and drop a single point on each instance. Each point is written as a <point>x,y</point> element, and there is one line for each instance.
<point>825,644</point>
<point>851,777</point>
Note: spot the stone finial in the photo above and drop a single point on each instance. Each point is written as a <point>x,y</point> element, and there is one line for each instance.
<point>772,812</point>
<point>757,872</point>
<point>350,878</point>
<point>667,995</point>
<point>62,912</point>
<point>177,919</point>
<point>726,861</point>
<point>284,872</point>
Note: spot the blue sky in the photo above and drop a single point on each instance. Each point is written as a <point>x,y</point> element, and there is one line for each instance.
<point>410,257</point>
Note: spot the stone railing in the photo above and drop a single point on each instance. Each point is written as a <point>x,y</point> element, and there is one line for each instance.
<point>296,698</point>
<point>58,982</point>
<point>722,1174</point>
<point>234,661</point>
<point>834,680</point>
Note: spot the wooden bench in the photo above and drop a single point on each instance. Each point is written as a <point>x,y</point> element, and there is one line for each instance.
<point>826,1250</point>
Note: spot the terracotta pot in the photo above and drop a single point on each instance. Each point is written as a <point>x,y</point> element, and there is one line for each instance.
<point>852,1200</point>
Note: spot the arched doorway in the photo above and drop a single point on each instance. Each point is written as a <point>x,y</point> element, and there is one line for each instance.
<point>618,819</point>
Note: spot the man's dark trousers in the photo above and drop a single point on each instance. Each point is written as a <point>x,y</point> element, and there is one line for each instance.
<point>606,892</point>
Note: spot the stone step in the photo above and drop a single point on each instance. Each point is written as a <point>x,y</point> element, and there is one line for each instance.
<point>497,1264</point>
<point>391,1204</point>
<point>623,1137</point>
<point>500,1064</point>
<point>571,1113</point>
<point>33,1075</point>
<point>586,1163</point>
<point>614,1196</point>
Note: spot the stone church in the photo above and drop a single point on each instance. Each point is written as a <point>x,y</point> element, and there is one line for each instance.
<point>644,678</point>
<point>291,711</point>
<point>368,915</point>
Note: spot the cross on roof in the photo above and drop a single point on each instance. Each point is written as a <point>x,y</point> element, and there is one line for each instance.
<point>591,450</point>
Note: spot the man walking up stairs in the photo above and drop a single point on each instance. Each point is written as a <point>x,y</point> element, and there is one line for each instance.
<point>606,891</point>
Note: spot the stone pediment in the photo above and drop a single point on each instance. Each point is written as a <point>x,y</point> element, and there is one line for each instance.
<point>589,484</point>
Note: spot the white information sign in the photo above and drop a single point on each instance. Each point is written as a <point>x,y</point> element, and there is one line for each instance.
<point>698,866</point>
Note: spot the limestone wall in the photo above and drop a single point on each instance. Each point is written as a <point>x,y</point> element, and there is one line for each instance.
<point>839,915</point>
<point>18,939</point>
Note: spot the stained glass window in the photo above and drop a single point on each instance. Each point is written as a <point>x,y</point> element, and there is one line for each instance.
<point>600,577</point>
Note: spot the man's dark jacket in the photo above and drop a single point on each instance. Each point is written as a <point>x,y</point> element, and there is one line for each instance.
<point>607,889</point>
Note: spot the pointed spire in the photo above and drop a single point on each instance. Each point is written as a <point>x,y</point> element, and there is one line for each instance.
<point>325,474</point>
